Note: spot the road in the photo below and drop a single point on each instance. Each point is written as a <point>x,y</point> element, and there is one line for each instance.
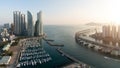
<point>16,52</point>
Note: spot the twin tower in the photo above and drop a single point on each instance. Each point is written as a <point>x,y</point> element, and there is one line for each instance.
<point>23,28</point>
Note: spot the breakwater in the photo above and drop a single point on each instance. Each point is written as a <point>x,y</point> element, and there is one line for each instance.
<point>73,59</point>
<point>50,42</point>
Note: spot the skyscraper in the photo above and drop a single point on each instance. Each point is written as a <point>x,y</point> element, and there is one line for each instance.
<point>17,22</point>
<point>114,32</point>
<point>12,28</point>
<point>30,27</point>
<point>23,24</point>
<point>36,28</point>
<point>119,32</point>
<point>39,24</point>
<point>106,31</point>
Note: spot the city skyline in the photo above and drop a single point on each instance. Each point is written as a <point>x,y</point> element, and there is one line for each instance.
<point>60,34</point>
<point>64,11</point>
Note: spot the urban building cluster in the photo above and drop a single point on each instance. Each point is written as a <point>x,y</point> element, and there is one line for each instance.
<point>5,32</point>
<point>111,31</point>
<point>21,27</point>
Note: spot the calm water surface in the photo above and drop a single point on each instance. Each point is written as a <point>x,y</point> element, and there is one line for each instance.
<point>65,35</point>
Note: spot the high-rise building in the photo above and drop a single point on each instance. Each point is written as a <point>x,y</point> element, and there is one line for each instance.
<point>114,32</point>
<point>17,22</point>
<point>36,28</point>
<point>119,32</point>
<point>106,31</point>
<point>30,27</point>
<point>20,24</point>
<point>23,24</point>
<point>12,28</point>
<point>39,24</point>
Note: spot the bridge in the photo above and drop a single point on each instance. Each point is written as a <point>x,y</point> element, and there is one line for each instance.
<point>78,36</point>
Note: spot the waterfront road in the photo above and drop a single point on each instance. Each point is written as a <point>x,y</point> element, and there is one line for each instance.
<point>16,52</point>
<point>78,36</point>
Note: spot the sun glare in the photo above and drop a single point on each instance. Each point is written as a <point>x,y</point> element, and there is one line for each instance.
<point>113,11</point>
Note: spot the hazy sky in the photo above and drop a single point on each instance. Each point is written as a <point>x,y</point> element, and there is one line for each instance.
<point>63,11</point>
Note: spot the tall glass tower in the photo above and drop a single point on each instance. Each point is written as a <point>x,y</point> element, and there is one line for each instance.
<point>40,25</point>
<point>23,24</point>
<point>17,22</point>
<point>30,27</point>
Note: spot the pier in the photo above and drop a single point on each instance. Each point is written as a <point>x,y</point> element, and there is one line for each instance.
<point>68,56</point>
<point>73,59</point>
<point>50,42</point>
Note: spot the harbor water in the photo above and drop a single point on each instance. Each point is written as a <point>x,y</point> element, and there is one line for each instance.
<point>65,35</point>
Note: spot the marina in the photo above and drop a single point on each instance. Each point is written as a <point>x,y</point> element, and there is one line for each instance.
<point>80,52</point>
<point>32,53</point>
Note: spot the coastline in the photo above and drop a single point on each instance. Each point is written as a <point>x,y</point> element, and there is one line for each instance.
<point>75,62</point>
<point>109,51</point>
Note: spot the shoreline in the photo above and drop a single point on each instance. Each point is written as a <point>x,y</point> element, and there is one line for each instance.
<point>74,60</point>
<point>111,52</point>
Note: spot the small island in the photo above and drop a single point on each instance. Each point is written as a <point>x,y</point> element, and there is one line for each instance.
<point>94,24</point>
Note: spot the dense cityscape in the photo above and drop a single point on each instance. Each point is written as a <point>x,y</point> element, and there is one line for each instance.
<point>27,29</point>
<point>59,34</point>
<point>23,46</point>
<point>111,31</point>
<point>10,36</point>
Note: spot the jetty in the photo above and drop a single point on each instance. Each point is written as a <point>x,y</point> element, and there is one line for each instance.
<point>73,59</point>
<point>68,56</point>
<point>50,42</point>
<point>48,39</point>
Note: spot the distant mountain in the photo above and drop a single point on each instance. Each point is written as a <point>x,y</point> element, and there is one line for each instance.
<point>94,24</point>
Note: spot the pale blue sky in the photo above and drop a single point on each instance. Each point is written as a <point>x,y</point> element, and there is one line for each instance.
<point>63,11</point>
